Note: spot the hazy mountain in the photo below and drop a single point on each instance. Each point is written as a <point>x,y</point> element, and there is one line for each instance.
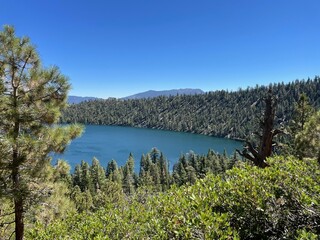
<point>77,99</point>
<point>173,92</point>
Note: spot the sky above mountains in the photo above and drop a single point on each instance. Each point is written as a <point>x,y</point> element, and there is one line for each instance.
<point>118,48</point>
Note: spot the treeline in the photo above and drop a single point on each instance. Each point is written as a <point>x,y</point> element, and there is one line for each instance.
<point>92,185</point>
<point>219,113</point>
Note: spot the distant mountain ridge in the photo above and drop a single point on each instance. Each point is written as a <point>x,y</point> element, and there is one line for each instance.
<point>77,99</point>
<point>148,94</point>
<point>173,92</point>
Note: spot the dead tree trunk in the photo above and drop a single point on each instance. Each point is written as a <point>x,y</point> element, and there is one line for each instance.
<point>258,155</point>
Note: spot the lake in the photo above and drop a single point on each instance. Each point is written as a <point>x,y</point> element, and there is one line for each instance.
<point>114,142</point>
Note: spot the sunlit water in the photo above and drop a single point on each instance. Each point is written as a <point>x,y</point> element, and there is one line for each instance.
<point>113,142</point>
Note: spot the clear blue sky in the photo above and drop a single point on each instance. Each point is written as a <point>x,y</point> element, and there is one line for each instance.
<point>121,47</point>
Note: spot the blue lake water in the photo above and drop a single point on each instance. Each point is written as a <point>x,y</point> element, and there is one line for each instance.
<point>114,142</point>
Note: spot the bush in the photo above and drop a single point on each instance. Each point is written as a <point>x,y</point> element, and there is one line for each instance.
<point>281,201</point>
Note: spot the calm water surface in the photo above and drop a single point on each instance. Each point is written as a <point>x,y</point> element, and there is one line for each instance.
<point>113,142</point>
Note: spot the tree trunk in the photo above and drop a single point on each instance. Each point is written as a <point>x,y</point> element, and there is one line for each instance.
<point>18,204</point>
<point>266,140</point>
<point>258,155</point>
<point>19,224</point>
<point>18,198</point>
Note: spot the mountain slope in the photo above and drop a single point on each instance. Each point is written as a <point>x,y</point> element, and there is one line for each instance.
<point>173,92</point>
<point>77,99</point>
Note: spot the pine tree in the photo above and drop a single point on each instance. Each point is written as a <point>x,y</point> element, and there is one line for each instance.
<point>144,165</point>
<point>307,141</point>
<point>113,172</point>
<point>154,155</point>
<point>112,166</point>
<point>76,177</point>
<point>31,100</point>
<point>86,180</point>
<point>164,172</point>
<point>97,173</point>
<point>130,163</point>
<point>128,179</point>
<point>233,160</point>
<point>193,160</point>
<point>302,112</point>
<point>62,172</point>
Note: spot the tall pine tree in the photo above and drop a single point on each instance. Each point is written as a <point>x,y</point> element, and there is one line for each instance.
<point>31,98</point>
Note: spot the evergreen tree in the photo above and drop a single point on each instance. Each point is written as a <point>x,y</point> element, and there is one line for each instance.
<point>302,112</point>
<point>164,172</point>
<point>191,175</point>
<point>193,161</point>
<point>86,180</point>
<point>308,140</point>
<point>233,160</point>
<point>31,99</point>
<point>128,178</point>
<point>113,173</point>
<point>77,176</point>
<point>155,175</point>
<point>223,162</point>
<point>112,166</point>
<point>97,173</point>
<point>62,172</point>
<point>144,165</point>
<point>154,155</point>
<point>130,164</point>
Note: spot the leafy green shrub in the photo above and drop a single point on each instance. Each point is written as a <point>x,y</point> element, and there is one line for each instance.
<point>281,201</point>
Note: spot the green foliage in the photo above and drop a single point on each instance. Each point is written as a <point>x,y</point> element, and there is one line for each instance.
<point>191,167</point>
<point>278,202</point>
<point>308,140</point>
<point>128,176</point>
<point>302,112</point>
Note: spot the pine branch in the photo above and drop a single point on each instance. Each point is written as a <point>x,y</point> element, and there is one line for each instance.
<point>6,223</point>
<point>7,214</point>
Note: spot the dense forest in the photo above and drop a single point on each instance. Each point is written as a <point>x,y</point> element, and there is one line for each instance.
<point>219,113</point>
<point>271,192</point>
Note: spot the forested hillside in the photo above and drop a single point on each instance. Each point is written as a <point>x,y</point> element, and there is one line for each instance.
<point>173,92</point>
<point>219,113</point>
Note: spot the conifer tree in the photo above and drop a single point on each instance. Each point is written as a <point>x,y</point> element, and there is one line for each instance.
<point>86,181</point>
<point>307,141</point>
<point>154,155</point>
<point>302,112</point>
<point>233,160</point>
<point>97,173</point>
<point>31,98</point>
<point>128,179</point>
<point>62,172</point>
<point>111,167</point>
<point>77,176</point>
<point>164,172</point>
